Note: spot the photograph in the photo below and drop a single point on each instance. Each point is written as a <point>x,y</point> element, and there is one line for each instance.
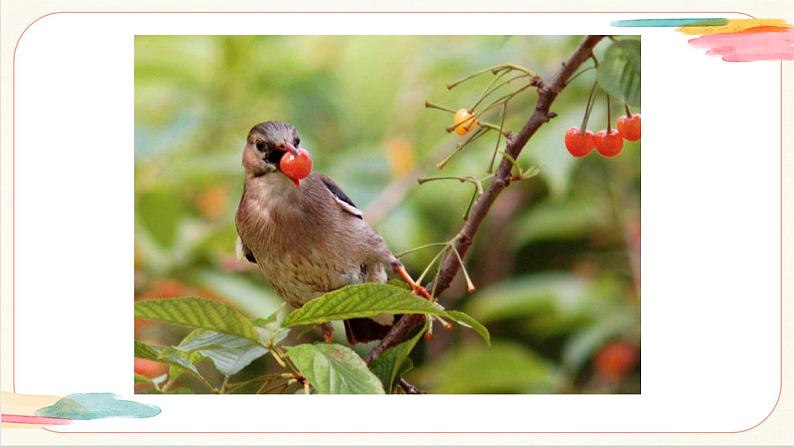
<point>445,214</point>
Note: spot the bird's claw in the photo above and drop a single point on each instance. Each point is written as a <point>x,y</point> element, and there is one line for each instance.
<point>421,291</point>
<point>415,288</point>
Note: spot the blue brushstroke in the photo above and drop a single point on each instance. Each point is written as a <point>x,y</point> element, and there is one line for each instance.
<point>669,23</point>
<point>85,406</point>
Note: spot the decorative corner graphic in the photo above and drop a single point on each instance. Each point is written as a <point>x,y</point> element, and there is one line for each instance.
<point>735,40</point>
<point>31,411</point>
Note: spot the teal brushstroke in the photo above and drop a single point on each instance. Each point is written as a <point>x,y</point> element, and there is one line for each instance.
<point>87,406</point>
<point>669,23</point>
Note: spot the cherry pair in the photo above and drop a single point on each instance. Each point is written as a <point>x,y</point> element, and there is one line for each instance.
<point>607,143</point>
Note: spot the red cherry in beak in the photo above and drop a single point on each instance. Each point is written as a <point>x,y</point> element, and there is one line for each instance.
<point>296,165</point>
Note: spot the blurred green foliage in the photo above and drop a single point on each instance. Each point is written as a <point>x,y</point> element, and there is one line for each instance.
<point>556,262</point>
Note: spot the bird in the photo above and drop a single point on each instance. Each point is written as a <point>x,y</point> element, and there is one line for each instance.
<point>307,237</point>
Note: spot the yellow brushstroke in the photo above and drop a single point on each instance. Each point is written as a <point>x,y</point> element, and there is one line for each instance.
<point>25,404</point>
<point>734,26</point>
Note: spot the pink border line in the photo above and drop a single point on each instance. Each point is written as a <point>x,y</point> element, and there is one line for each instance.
<point>13,201</point>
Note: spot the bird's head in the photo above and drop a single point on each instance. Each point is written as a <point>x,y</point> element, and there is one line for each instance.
<point>266,143</point>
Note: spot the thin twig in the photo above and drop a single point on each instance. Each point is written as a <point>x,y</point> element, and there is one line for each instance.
<point>409,388</point>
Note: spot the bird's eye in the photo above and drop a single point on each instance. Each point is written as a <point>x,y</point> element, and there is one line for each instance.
<point>261,146</point>
<point>297,142</point>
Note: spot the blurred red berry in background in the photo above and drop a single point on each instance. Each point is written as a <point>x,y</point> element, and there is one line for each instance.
<point>150,368</point>
<point>615,360</point>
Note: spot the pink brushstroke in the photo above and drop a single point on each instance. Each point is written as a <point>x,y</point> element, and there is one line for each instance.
<point>41,420</point>
<point>749,46</point>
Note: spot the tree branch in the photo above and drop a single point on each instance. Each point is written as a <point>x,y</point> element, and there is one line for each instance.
<point>547,93</point>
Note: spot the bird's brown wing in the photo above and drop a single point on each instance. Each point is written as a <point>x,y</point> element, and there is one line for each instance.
<point>341,198</point>
<point>358,330</point>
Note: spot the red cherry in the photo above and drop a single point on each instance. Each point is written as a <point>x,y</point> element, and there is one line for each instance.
<point>629,127</point>
<point>608,144</point>
<point>615,360</point>
<point>578,143</point>
<point>296,166</point>
<point>150,368</point>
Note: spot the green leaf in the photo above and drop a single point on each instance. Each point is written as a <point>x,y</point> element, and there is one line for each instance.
<point>197,313</point>
<point>178,362</point>
<point>142,379</point>
<point>361,301</point>
<point>160,212</point>
<point>466,320</point>
<point>144,351</point>
<point>505,367</point>
<point>229,353</point>
<point>398,283</point>
<point>334,369</point>
<point>269,320</point>
<point>250,386</point>
<point>619,71</point>
<point>408,365</point>
<point>389,365</point>
<point>368,300</point>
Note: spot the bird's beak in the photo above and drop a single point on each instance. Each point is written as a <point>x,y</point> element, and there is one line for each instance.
<point>291,148</point>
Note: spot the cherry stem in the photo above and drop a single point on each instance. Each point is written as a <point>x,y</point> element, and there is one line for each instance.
<point>432,262</point>
<point>431,105</point>
<point>492,126</point>
<point>628,112</point>
<point>505,98</point>
<point>579,73</point>
<point>464,122</point>
<point>588,108</point>
<point>477,134</point>
<point>490,89</point>
<point>609,115</point>
<point>421,247</point>
<point>498,140</point>
<point>474,196</point>
<point>469,284</point>
<point>496,69</point>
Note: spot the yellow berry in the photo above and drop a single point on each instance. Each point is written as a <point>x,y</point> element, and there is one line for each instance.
<point>468,119</point>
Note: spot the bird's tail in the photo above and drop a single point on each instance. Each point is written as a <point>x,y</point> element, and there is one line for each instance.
<point>363,330</point>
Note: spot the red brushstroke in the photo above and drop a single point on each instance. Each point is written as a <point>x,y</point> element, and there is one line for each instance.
<point>40,420</point>
<point>755,45</point>
<point>766,28</point>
